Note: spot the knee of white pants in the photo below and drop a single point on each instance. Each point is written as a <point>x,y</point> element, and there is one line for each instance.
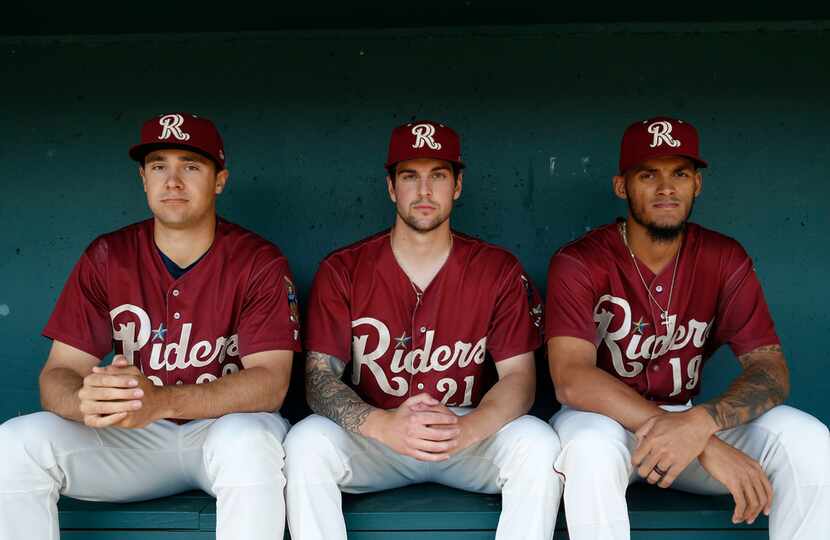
<point>537,443</point>
<point>804,439</point>
<point>240,449</point>
<point>27,439</point>
<point>310,451</point>
<point>595,454</point>
<point>533,453</point>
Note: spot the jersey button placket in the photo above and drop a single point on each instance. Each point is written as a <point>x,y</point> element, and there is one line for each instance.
<point>418,338</point>
<point>174,326</point>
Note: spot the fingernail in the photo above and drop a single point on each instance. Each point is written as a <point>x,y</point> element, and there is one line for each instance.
<point>138,393</point>
<point>136,404</point>
<point>133,382</point>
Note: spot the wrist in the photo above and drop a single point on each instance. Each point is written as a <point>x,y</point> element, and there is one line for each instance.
<point>374,425</point>
<point>165,398</point>
<point>702,418</point>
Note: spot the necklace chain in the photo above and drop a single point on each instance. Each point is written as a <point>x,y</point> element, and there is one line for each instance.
<point>664,312</point>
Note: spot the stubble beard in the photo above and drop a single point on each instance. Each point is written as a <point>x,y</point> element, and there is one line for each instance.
<point>421,227</point>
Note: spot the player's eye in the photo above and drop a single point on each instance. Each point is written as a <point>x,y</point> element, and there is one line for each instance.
<point>408,177</point>
<point>157,167</point>
<point>439,175</point>
<point>682,173</point>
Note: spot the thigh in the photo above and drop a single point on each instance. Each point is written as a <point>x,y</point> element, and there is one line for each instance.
<point>484,467</point>
<point>317,445</point>
<point>800,434</point>
<point>571,424</point>
<point>239,446</point>
<point>593,440</point>
<point>109,464</point>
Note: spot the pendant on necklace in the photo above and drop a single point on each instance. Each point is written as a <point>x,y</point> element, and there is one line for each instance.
<point>664,315</point>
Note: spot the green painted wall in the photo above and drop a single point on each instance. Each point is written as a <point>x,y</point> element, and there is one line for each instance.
<point>306,117</point>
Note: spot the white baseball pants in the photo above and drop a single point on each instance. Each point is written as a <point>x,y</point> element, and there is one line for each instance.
<point>237,458</point>
<point>791,446</point>
<point>323,459</point>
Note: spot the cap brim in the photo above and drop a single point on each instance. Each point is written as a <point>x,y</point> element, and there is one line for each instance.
<point>140,151</point>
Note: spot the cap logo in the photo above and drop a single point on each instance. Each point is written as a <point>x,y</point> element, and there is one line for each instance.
<point>661,131</point>
<point>423,136</point>
<point>171,126</point>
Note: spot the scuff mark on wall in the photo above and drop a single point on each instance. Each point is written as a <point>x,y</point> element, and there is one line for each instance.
<point>552,166</point>
<point>4,310</point>
<point>586,163</point>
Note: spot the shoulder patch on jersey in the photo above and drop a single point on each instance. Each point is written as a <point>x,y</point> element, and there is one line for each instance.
<point>535,310</point>
<point>291,294</point>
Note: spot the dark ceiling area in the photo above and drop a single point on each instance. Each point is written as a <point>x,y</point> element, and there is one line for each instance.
<point>152,17</point>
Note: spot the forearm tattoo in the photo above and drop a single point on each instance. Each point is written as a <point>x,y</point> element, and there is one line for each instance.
<point>329,396</point>
<point>763,384</point>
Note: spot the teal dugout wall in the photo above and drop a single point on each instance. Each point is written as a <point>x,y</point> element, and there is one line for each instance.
<point>306,118</point>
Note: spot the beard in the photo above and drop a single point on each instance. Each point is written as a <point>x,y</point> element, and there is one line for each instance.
<point>658,232</point>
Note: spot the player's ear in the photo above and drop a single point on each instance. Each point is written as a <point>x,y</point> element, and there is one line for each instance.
<point>698,182</point>
<point>618,185</point>
<point>457,191</point>
<point>221,180</point>
<point>390,187</point>
<point>143,179</point>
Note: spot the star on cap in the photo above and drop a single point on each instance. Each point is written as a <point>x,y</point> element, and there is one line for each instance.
<point>640,325</point>
<point>403,341</point>
<point>159,333</point>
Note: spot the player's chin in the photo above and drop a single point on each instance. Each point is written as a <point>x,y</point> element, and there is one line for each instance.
<point>173,218</point>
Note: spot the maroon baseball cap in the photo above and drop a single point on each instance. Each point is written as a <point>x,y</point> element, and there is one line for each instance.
<point>659,137</point>
<point>424,139</point>
<point>180,130</point>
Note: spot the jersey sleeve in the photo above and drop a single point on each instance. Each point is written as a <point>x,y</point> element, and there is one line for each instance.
<point>329,322</point>
<point>743,318</point>
<point>270,318</point>
<point>516,326</point>
<point>570,300</point>
<point>81,316</point>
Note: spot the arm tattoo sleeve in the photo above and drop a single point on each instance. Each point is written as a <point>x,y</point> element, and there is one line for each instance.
<point>329,396</point>
<point>763,384</point>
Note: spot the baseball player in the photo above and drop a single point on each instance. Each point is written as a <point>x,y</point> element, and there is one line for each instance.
<point>202,318</point>
<point>415,313</point>
<point>634,309</point>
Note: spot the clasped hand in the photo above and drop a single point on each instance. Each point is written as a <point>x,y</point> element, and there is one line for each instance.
<point>118,395</point>
<point>423,428</point>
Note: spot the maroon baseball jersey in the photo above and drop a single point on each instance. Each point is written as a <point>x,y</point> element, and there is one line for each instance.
<point>595,293</point>
<point>239,299</point>
<point>402,341</point>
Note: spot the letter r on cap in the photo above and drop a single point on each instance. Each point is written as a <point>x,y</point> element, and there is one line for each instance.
<point>171,125</point>
<point>423,135</point>
<point>661,131</point>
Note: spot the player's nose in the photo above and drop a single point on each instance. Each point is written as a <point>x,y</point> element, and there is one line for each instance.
<point>424,186</point>
<point>173,180</point>
<point>665,185</point>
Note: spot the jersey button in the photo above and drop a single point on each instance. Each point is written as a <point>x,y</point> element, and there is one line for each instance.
<point>420,386</point>
<point>423,329</point>
<point>658,288</point>
<point>177,315</point>
<point>175,292</point>
<point>655,368</point>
